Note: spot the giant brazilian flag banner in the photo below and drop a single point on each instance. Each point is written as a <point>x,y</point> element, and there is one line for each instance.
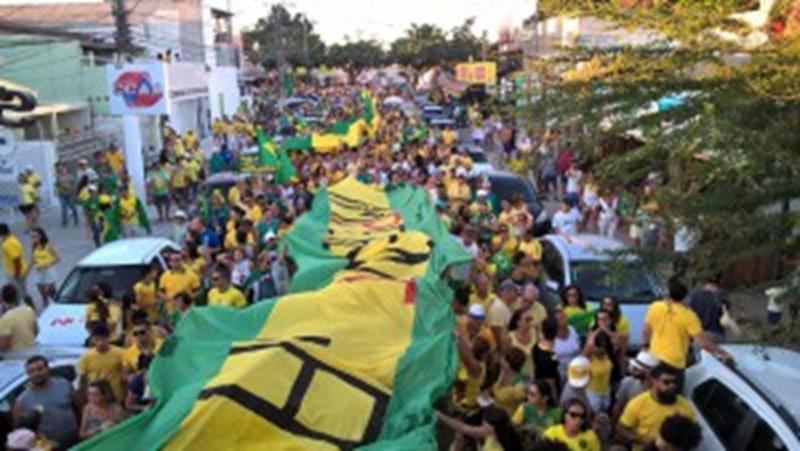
<point>353,358</point>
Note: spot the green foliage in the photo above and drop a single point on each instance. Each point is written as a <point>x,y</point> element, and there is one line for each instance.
<point>357,55</point>
<point>728,155</point>
<point>283,36</point>
<point>428,45</point>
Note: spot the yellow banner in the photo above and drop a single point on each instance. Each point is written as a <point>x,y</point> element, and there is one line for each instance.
<point>478,73</point>
<point>320,372</point>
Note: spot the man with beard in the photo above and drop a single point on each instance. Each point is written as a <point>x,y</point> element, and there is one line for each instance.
<point>54,398</point>
<point>642,418</point>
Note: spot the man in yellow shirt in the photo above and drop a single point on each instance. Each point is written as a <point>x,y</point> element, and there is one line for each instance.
<point>178,279</point>
<point>14,263</point>
<point>115,159</point>
<point>102,361</point>
<point>223,294</point>
<point>146,294</point>
<point>143,343</point>
<point>18,327</point>
<point>670,327</point>
<point>641,420</point>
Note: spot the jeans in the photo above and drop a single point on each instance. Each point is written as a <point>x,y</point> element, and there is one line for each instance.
<point>67,206</point>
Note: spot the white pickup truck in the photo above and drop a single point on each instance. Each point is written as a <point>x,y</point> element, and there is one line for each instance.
<point>753,405</point>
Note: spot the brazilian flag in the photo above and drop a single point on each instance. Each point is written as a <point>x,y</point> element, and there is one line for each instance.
<point>357,363</point>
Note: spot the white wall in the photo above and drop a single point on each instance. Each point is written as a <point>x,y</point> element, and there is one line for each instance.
<point>223,83</point>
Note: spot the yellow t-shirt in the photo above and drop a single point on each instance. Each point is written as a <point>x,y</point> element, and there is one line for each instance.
<point>115,159</point>
<point>109,365</point>
<point>130,356</point>
<point>147,299</point>
<point>113,320</point>
<point>254,213</point>
<point>486,301</point>
<point>179,150</point>
<point>459,192</point>
<point>231,297</point>
<point>584,441</point>
<point>449,137</point>
<point>644,415</point>
<point>29,193</point>
<point>527,349</point>
<point>174,282</point>
<point>179,177</point>
<point>672,326</point>
<point>532,248</point>
<point>127,209</point>
<point>466,390</point>
<point>623,326</point>
<point>19,324</point>
<point>12,250</point>
<point>234,195</point>
<point>572,310</point>
<point>600,381</point>
<point>192,168</point>
<point>43,257</point>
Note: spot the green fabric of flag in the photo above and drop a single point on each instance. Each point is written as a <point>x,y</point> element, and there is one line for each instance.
<point>286,171</point>
<point>297,143</point>
<point>268,157</point>
<point>264,376</point>
<point>582,322</point>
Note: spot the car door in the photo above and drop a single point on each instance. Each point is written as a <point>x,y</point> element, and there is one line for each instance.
<point>729,422</point>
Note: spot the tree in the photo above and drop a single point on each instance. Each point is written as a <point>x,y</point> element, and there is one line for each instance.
<point>283,37</point>
<point>423,45</point>
<point>356,55</point>
<point>714,103</point>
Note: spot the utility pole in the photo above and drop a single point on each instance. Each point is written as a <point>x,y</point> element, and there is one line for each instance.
<point>123,35</point>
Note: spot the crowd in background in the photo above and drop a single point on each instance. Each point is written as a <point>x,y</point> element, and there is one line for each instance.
<point>527,377</point>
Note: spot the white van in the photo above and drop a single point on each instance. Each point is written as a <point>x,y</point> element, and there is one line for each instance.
<point>120,264</point>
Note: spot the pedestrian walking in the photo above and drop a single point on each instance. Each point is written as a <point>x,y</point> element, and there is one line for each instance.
<point>14,263</point>
<point>43,259</point>
<point>67,189</point>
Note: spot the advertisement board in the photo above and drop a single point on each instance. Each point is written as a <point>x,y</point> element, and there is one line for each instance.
<point>139,89</point>
<point>477,73</point>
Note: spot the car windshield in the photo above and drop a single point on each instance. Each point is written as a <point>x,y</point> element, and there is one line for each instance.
<point>505,188</point>
<point>120,278</point>
<point>477,157</point>
<point>628,282</point>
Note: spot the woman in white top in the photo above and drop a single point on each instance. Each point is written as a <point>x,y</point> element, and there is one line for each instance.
<point>607,219</point>
<point>567,344</point>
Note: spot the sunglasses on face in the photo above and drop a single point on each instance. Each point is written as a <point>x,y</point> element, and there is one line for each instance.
<point>576,414</point>
<point>139,332</point>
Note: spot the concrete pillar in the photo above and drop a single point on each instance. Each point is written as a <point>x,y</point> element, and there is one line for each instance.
<point>134,160</point>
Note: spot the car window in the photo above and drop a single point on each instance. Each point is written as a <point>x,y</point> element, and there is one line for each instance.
<point>120,278</point>
<point>724,411</point>
<point>628,282</point>
<point>477,157</point>
<point>764,438</point>
<point>505,188</point>
<point>552,263</point>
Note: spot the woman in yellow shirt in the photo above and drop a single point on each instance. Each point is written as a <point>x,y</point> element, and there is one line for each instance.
<point>574,430</point>
<point>102,309</point>
<point>146,295</point>
<point>43,258</point>
<point>597,350</point>
<point>572,301</point>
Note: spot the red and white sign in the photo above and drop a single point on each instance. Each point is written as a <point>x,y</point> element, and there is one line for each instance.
<point>137,89</point>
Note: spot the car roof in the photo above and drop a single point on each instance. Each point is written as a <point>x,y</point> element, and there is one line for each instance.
<point>774,371</point>
<point>585,246</point>
<point>126,252</point>
<point>225,177</point>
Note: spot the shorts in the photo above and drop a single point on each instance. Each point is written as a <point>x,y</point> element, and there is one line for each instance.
<point>598,402</point>
<point>161,200</point>
<point>43,276</point>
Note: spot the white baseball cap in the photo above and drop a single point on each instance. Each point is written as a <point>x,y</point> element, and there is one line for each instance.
<point>579,372</point>
<point>476,311</point>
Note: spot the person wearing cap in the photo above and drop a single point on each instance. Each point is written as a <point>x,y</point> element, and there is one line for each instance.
<point>501,310</point>
<point>473,326</point>
<point>84,170</point>
<point>579,373</point>
<point>643,416</point>
<point>180,227</point>
<point>636,382</point>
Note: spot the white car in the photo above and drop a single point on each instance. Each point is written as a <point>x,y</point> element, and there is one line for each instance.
<point>120,264</point>
<point>595,264</point>
<point>752,405</point>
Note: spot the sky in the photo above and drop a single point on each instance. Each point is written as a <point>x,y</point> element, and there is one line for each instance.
<point>386,20</point>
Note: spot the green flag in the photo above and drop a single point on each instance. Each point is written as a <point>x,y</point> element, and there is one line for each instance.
<point>357,363</point>
<point>286,171</point>
<point>267,150</point>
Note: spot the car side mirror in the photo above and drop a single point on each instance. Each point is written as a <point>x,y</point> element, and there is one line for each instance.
<point>552,285</point>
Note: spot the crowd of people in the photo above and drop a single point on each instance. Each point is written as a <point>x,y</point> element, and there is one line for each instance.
<point>527,376</point>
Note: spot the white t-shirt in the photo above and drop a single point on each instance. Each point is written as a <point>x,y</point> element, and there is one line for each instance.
<point>573,180</point>
<point>566,223</point>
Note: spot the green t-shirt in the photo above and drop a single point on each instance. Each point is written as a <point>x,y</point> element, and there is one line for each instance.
<point>531,416</point>
<point>159,179</point>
